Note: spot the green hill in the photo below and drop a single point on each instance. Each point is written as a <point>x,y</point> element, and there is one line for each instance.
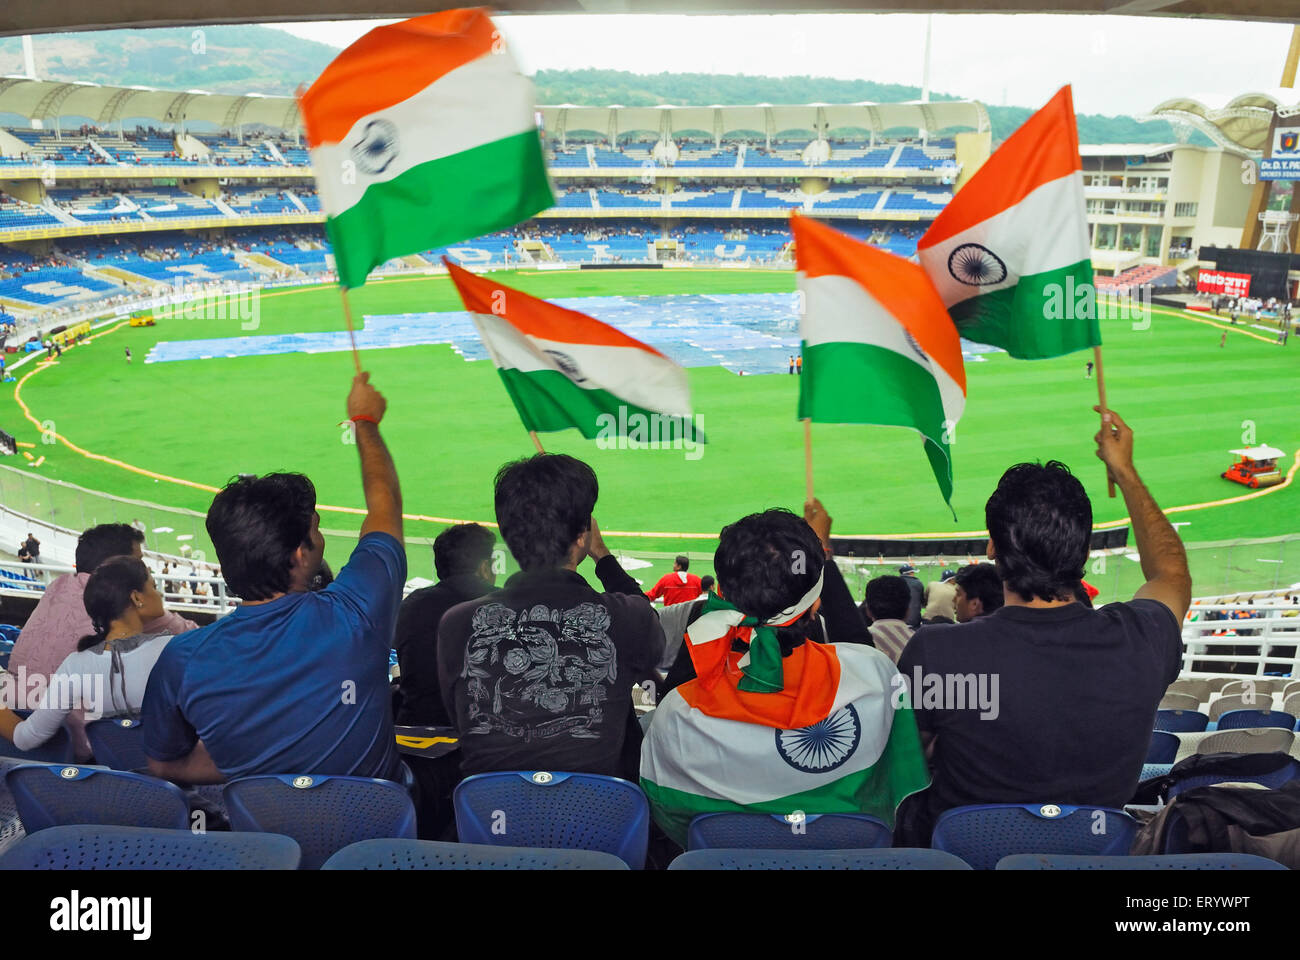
<point>240,59</point>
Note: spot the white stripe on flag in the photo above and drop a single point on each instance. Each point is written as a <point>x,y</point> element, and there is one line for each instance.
<point>838,309</point>
<point>641,378</point>
<point>479,102</point>
<point>1045,231</point>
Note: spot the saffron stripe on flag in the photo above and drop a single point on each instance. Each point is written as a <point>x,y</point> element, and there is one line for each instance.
<point>1035,154</point>
<point>390,64</point>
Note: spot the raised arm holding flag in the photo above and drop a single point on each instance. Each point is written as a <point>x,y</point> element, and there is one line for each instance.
<point>1010,254</point>
<point>422,133</point>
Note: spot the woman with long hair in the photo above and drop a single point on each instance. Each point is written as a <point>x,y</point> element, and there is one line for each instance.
<point>107,674</point>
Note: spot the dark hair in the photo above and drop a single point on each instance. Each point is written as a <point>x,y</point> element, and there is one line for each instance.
<point>543,504</point>
<point>324,577</point>
<point>888,597</point>
<point>683,561</point>
<point>462,549</point>
<point>106,540</point>
<point>108,594</point>
<point>767,561</point>
<point>1040,521</point>
<point>706,583</point>
<point>980,581</point>
<point>256,524</point>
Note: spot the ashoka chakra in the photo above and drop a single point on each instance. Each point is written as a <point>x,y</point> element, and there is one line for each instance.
<point>976,265</point>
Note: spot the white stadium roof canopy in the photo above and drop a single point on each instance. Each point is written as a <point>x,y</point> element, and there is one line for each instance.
<point>1240,122</point>
<point>42,16</point>
<point>767,119</point>
<point>47,100</point>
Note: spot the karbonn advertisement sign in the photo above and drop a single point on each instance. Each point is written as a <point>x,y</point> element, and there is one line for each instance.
<point>1220,281</point>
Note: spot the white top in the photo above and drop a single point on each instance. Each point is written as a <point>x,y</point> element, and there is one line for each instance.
<point>1259,453</point>
<point>82,682</point>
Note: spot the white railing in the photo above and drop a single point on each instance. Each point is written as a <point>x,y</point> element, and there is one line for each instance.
<point>33,578</point>
<point>1269,631</point>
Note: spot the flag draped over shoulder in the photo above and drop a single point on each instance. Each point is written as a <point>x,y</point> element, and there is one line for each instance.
<point>565,369</point>
<point>878,345</point>
<point>1010,254</point>
<point>855,750</point>
<point>422,133</point>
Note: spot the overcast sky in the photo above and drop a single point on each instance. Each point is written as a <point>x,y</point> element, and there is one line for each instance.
<point>1117,64</point>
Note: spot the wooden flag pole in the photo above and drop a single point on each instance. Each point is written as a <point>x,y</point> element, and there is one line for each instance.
<point>1101,402</point>
<point>352,335</point>
<point>536,443</point>
<point>807,459</point>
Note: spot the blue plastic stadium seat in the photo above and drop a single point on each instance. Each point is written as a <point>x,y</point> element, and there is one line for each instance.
<point>983,834</point>
<point>873,859</point>
<point>771,831</point>
<point>323,814</point>
<point>1164,747</point>
<point>1181,721</point>
<point>1153,770</point>
<point>583,811</point>
<point>91,847</point>
<point>432,855</point>
<point>1255,719</point>
<point>1180,861</point>
<point>118,742</point>
<point>53,796</point>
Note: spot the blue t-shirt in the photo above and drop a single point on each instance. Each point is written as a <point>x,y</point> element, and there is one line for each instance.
<point>296,685</point>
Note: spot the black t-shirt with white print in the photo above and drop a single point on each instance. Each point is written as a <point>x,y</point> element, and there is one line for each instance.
<point>539,675</point>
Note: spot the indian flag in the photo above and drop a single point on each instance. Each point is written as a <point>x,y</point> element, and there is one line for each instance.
<point>707,754</point>
<point>565,369</point>
<point>422,133</point>
<point>1010,254</point>
<point>878,345</point>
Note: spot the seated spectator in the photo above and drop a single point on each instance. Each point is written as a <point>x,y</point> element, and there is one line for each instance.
<point>774,722</point>
<point>462,558</point>
<point>887,600</point>
<point>539,675</point>
<point>59,621</point>
<point>1064,697</point>
<point>979,591</point>
<point>679,586</point>
<point>916,594</point>
<point>940,598</point>
<point>294,680</point>
<point>106,675</point>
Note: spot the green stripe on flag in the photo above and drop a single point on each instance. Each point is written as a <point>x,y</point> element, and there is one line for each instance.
<point>845,382</point>
<point>878,790</point>
<point>547,400</point>
<point>465,195</point>
<point>1044,315</point>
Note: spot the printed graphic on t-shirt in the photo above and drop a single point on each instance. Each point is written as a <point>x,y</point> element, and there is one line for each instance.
<point>523,666</point>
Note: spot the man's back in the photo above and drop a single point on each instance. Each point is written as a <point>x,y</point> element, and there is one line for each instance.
<point>676,587</point>
<point>539,675</point>
<point>917,590</point>
<point>417,646</point>
<point>295,685</point>
<point>844,748</point>
<point>1041,704</point>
